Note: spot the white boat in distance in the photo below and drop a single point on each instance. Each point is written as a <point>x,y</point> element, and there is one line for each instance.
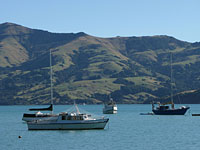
<point>69,121</point>
<point>110,107</point>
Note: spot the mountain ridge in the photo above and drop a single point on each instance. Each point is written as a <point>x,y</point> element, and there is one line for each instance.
<point>88,69</point>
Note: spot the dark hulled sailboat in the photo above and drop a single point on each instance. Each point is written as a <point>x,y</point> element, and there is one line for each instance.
<point>164,109</point>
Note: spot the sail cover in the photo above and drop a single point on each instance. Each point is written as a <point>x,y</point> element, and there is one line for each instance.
<point>50,108</point>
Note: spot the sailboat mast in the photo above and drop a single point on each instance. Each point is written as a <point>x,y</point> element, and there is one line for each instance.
<point>51,72</point>
<point>172,100</point>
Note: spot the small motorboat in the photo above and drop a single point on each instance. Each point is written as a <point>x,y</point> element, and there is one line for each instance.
<point>149,113</point>
<point>110,107</point>
<point>195,114</point>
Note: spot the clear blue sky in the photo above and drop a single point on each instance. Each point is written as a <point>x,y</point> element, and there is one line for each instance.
<point>107,18</point>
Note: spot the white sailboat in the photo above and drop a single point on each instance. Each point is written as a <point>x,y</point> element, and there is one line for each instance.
<point>73,120</point>
<point>38,114</point>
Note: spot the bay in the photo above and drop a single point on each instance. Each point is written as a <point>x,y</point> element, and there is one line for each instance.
<point>126,130</point>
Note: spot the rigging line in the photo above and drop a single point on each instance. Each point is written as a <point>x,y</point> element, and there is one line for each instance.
<point>82,111</point>
<point>51,71</point>
<point>171,79</point>
<point>179,100</point>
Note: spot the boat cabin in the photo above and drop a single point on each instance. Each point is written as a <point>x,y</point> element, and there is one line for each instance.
<point>163,107</point>
<point>74,116</point>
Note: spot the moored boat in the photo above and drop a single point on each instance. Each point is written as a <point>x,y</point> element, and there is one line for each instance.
<point>110,107</point>
<point>195,114</point>
<point>149,113</point>
<point>38,114</point>
<point>69,121</point>
<point>164,108</point>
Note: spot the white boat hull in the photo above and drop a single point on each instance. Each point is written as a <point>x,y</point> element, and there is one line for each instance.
<point>110,110</point>
<point>68,125</point>
<point>28,119</point>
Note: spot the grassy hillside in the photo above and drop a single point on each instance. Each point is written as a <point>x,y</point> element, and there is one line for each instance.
<point>89,69</point>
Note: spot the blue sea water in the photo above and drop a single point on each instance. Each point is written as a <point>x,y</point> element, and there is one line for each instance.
<point>126,130</point>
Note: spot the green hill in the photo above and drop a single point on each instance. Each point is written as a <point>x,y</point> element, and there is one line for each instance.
<point>88,69</point>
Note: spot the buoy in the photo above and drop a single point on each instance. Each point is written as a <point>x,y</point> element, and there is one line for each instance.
<point>19,137</point>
